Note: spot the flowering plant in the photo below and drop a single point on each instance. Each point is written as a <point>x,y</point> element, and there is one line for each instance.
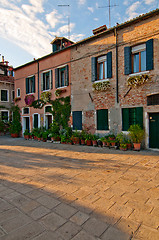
<point>45,96</point>
<point>29,99</point>
<point>59,91</point>
<point>101,86</point>
<point>138,80</point>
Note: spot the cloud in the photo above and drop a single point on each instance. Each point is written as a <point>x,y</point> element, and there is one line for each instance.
<point>77,37</point>
<point>96,19</point>
<point>131,11</point>
<point>149,2</point>
<point>91,9</point>
<point>82,2</point>
<point>54,18</point>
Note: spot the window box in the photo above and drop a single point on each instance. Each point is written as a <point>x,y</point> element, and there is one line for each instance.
<point>138,80</point>
<point>101,86</point>
<point>29,99</point>
<point>59,91</point>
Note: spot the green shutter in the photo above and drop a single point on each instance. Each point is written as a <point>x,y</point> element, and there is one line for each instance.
<point>67,75</point>
<point>125,119</point>
<point>33,84</point>
<point>127,60</point>
<point>27,85</point>
<point>35,120</point>
<point>54,47</point>
<point>41,81</point>
<point>56,78</point>
<point>149,54</point>
<point>50,76</point>
<point>139,116</point>
<point>102,119</point>
<point>94,68</point>
<point>109,65</point>
<point>77,120</point>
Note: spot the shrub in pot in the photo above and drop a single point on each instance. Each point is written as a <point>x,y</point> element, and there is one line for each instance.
<point>26,134</point>
<point>15,126</point>
<point>94,140</point>
<point>136,134</point>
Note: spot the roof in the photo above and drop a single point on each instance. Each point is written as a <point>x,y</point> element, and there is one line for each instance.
<point>118,26</point>
<point>61,38</point>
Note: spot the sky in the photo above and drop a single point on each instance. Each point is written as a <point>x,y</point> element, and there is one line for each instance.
<point>28,26</point>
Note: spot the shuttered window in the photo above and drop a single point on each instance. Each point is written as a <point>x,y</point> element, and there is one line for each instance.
<point>102,119</point>
<point>4,96</point>
<point>153,100</point>
<point>30,84</point>
<point>132,116</point>
<point>35,120</point>
<point>101,67</point>
<point>77,120</point>
<point>62,77</point>
<point>46,80</point>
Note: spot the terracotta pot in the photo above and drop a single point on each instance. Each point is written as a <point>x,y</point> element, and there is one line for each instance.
<point>44,139</point>
<point>82,142</point>
<point>89,142</point>
<point>129,146</point>
<point>123,149</point>
<point>39,139</point>
<point>14,135</point>
<point>26,137</point>
<point>104,144</point>
<point>76,140</point>
<point>137,146</point>
<point>95,144</point>
<point>113,144</point>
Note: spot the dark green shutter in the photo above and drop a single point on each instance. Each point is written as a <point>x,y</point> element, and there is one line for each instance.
<point>56,78</point>
<point>50,76</point>
<point>35,120</point>
<point>27,85</point>
<point>102,119</point>
<point>109,65</point>
<point>33,84</point>
<point>127,60</point>
<point>125,119</point>
<point>41,81</point>
<point>149,54</point>
<point>77,120</point>
<point>94,68</point>
<point>139,116</point>
<point>67,75</point>
<point>54,47</point>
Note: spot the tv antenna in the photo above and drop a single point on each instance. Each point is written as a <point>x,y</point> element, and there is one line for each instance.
<point>67,5</point>
<point>109,6</point>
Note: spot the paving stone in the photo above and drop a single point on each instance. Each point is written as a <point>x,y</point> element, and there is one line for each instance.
<point>69,230</point>
<point>147,233</point>
<point>65,210</point>
<point>114,234</point>
<point>83,235</point>
<point>29,206</point>
<point>79,218</point>
<point>34,194</point>
<point>95,227</point>
<point>4,206</point>
<point>9,214</point>
<point>39,212</point>
<point>25,232</point>
<point>48,201</point>
<point>53,221</point>
<point>48,235</point>
<point>127,226</point>
<point>2,233</point>
<point>11,195</point>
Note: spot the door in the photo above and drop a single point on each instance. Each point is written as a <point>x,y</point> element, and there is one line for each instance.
<point>154,130</point>
<point>26,124</point>
<point>48,121</point>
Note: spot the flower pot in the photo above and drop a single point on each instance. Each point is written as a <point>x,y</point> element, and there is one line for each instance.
<point>113,144</point>
<point>39,139</point>
<point>44,139</point>
<point>129,146</point>
<point>89,142</point>
<point>123,149</point>
<point>26,137</point>
<point>104,144</point>
<point>14,135</point>
<point>82,142</point>
<point>137,146</point>
<point>95,144</point>
<point>76,140</point>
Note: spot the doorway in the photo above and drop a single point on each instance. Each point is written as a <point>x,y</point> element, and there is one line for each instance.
<point>154,130</point>
<point>26,124</point>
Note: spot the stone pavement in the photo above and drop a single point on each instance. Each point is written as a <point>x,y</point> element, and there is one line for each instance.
<point>61,192</point>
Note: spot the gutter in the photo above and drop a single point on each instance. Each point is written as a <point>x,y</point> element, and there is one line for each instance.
<point>117,76</point>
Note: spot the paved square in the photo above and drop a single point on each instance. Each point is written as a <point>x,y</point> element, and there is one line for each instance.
<point>62,192</point>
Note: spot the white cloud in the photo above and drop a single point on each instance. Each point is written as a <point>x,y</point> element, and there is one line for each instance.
<point>96,19</point>
<point>76,37</point>
<point>149,2</point>
<point>54,18</point>
<point>91,9</point>
<point>131,11</point>
<point>82,2</point>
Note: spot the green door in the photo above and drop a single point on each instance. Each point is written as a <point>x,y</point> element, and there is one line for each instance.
<point>154,130</point>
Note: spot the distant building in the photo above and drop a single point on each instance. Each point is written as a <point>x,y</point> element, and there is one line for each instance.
<point>6,90</point>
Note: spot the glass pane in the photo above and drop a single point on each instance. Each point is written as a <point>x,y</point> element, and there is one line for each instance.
<point>47,82</point>
<point>105,69</point>
<point>4,95</point>
<point>136,62</point>
<point>100,71</point>
<point>62,79</point>
<point>143,61</point>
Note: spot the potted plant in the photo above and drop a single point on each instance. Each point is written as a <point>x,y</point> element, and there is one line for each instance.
<point>123,146</point>
<point>44,136</point>
<point>136,134</point>
<point>75,137</point>
<point>88,139</point>
<point>94,140</point>
<point>104,141</point>
<point>1,126</point>
<point>83,137</point>
<point>26,134</point>
<point>15,126</point>
<point>63,139</point>
<point>54,131</point>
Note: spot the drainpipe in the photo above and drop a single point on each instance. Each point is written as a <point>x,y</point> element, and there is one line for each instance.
<point>38,82</point>
<point>117,77</point>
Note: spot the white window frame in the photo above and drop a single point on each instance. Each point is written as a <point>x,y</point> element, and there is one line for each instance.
<point>62,66</point>
<point>7,95</point>
<point>45,90</point>
<point>18,89</point>
<point>5,111</point>
<point>25,113</point>
<point>47,114</point>
<point>38,119</point>
<point>101,59</point>
<point>29,77</point>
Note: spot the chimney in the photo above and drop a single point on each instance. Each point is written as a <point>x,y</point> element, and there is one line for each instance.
<point>2,59</point>
<point>100,29</point>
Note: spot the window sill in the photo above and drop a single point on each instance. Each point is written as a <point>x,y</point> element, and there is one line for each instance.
<point>46,90</point>
<point>138,73</point>
<point>62,87</point>
<point>98,81</point>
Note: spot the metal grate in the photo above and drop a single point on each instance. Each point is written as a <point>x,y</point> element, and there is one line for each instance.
<point>153,100</point>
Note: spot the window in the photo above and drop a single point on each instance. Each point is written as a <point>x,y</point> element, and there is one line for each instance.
<point>5,116</point>
<point>36,120</point>
<point>102,119</point>
<point>13,95</point>
<point>18,92</point>
<point>4,95</point>
<point>153,100</point>
<point>132,116</point>
<point>47,109</point>
<point>138,58</point>
<point>101,67</point>
<point>46,80</point>
<point>26,110</point>
<point>77,120</point>
<point>30,84</point>
<point>62,77</point>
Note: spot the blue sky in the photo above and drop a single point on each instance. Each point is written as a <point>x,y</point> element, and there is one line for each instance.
<point>28,26</point>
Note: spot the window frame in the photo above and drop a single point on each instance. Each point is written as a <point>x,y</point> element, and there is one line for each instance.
<point>97,120</point>
<point>31,87</point>
<point>24,109</point>
<point>102,60</point>
<point>137,49</point>
<point>18,89</point>
<point>38,119</point>
<point>1,115</point>
<point>49,80</point>
<point>58,80</point>
<point>7,95</point>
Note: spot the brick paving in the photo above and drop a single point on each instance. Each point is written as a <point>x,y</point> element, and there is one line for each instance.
<point>62,192</point>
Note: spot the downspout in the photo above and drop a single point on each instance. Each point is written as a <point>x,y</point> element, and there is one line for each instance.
<point>38,82</point>
<point>117,77</point>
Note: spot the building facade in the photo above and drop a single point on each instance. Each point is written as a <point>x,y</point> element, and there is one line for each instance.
<point>6,90</point>
<point>44,75</point>
<point>115,79</point>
